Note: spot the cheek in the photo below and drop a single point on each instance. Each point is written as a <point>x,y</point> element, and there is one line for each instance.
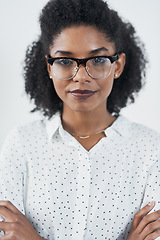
<point>110,80</point>
<point>59,87</point>
<point>107,86</point>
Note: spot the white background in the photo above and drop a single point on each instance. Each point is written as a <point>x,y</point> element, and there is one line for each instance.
<point>19,27</point>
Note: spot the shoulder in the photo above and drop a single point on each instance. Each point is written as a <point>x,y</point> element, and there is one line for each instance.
<point>32,133</point>
<point>28,130</point>
<point>133,129</point>
<point>141,136</point>
<point>142,132</point>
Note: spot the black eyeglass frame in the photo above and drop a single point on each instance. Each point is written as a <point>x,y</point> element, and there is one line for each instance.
<point>82,61</point>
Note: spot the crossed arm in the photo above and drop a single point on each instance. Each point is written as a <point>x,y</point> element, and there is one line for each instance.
<point>17,227</point>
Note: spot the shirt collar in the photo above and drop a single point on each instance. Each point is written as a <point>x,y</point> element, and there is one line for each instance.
<point>120,126</point>
<point>52,125</point>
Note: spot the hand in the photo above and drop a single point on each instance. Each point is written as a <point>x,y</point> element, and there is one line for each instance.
<point>145,226</point>
<point>16,226</point>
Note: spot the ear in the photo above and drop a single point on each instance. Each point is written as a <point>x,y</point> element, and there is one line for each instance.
<point>48,67</point>
<point>120,63</point>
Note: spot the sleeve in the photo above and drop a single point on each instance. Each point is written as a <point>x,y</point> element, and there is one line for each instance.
<point>12,172</point>
<point>152,188</point>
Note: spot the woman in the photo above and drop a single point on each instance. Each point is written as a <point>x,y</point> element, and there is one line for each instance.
<point>86,172</point>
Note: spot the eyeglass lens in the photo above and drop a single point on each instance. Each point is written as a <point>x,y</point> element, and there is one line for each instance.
<point>66,69</point>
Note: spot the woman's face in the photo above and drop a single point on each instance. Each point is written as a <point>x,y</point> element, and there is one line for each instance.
<point>83,93</point>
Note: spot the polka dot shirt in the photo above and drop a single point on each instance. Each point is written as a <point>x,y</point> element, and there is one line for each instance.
<point>69,193</point>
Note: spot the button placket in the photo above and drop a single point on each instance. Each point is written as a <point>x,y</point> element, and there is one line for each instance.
<point>82,196</point>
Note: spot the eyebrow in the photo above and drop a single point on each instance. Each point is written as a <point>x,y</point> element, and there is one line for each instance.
<point>63,52</point>
<point>98,50</point>
<point>92,52</point>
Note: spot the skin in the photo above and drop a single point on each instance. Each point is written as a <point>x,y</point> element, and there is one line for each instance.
<point>83,117</point>
<point>16,225</point>
<point>145,226</point>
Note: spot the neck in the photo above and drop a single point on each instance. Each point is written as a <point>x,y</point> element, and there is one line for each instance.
<point>86,123</point>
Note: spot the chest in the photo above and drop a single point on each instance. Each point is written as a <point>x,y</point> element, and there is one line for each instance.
<point>107,177</point>
<point>73,188</point>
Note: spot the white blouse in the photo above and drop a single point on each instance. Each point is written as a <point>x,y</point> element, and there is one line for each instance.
<point>70,193</point>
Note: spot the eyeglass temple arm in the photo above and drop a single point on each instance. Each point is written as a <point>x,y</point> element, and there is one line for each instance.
<point>113,58</point>
<point>50,60</point>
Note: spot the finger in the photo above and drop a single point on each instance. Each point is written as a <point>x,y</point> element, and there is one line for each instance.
<point>141,213</point>
<point>148,220</point>
<point>9,236</point>
<point>5,237</point>
<point>153,235</point>
<point>150,228</point>
<point>9,206</point>
<point>7,214</point>
<point>6,227</point>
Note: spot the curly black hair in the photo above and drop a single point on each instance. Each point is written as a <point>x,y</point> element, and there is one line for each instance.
<point>60,14</point>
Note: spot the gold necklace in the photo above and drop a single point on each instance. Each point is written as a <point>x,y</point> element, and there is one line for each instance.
<point>85,137</point>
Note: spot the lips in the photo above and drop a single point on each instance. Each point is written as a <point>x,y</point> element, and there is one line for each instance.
<point>82,94</point>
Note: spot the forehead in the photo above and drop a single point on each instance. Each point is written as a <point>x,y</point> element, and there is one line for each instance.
<point>80,40</point>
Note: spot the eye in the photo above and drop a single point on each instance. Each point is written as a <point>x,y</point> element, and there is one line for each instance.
<point>64,62</point>
<point>98,60</point>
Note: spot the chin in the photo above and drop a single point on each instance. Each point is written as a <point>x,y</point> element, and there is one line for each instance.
<point>86,109</point>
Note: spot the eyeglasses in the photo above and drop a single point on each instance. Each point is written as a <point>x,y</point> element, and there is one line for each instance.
<point>97,67</point>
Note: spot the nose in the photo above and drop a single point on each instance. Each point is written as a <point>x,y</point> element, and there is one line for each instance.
<point>82,75</point>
